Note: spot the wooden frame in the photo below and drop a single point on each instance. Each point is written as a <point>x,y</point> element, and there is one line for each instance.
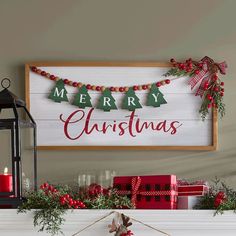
<point>212,147</point>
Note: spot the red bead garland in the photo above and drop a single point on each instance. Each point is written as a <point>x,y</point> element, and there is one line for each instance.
<point>121,89</point>
<point>88,86</point>
<point>66,81</point>
<point>52,77</point>
<point>34,68</point>
<point>167,81</point>
<point>75,84</point>
<point>135,87</point>
<point>43,73</point>
<point>99,88</point>
<point>144,87</point>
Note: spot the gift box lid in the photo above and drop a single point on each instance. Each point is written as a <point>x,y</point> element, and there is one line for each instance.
<point>147,183</point>
<point>193,190</point>
<point>151,179</point>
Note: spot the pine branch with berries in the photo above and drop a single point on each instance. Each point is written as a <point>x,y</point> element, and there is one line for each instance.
<point>51,202</point>
<point>111,200</point>
<point>211,91</point>
<point>187,68</point>
<point>48,215</point>
<point>97,197</point>
<point>213,98</point>
<point>221,197</point>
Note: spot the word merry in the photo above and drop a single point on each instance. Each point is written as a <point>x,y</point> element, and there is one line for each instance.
<point>133,125</point>
<point>106,101</point>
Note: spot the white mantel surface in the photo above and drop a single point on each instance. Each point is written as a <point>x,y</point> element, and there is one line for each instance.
<point>175,222</point>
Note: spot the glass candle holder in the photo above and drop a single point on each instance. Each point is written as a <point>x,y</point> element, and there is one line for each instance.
<point>86,179</point>
<point>105,178</point>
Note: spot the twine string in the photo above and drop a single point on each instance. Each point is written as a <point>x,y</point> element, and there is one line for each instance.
<point>93,223</point>
<point>149,226</point>
<point>111,213</point>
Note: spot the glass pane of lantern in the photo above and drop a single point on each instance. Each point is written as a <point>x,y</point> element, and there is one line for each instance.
<point>5,149</point>
<point>27,155</point>
<point>6,185</point>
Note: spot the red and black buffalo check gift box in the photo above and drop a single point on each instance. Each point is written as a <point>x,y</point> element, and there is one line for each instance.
<point>149,192</point>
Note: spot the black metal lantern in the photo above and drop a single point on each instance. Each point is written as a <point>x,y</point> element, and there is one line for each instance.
<point>20,119</point>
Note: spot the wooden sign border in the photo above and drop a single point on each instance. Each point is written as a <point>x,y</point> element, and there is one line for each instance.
<point>212,147</point>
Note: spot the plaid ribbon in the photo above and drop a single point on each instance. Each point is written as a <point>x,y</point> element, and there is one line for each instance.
<point>222,67</point>
<point>206,73</point>
<point>135,185</point>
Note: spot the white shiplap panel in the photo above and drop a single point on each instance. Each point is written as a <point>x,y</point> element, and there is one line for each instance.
<point>182,106</point>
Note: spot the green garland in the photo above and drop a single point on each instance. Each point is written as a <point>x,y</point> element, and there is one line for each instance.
<point>51,202</point>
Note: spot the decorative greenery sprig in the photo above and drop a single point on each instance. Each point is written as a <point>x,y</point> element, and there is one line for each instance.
<point>48,213</point>
<point>220,197</point>
<point>51,202</point>
<point>211,90</point>
<point>109,201</point>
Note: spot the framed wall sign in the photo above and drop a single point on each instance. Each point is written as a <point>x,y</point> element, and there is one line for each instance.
<point>115,105</point>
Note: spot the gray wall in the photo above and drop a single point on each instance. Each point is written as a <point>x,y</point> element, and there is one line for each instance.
<point>129,30</point>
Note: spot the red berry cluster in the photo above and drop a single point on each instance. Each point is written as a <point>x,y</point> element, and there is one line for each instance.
<point>129,233</point>
<point>96,87</point>
<point>215,88</point>
<point>47,188</point>
<point>219,199</point>
<point>96,189</point>
<point>188,66</point>
<point>67,201</point>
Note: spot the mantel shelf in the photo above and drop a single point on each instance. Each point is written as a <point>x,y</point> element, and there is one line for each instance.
<point>175,222</point>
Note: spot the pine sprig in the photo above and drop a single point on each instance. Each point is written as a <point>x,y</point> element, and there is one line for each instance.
<point>49,220</point>
<point>109,201</point>
<point>209,201</point>
<point>176,72</point>
<point>171,72</point>
<point>204,111</point>
<point>48,214</point>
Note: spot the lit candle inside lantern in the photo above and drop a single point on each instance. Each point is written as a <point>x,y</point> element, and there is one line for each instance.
<point>6,181</point>
<point>5,171</point>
